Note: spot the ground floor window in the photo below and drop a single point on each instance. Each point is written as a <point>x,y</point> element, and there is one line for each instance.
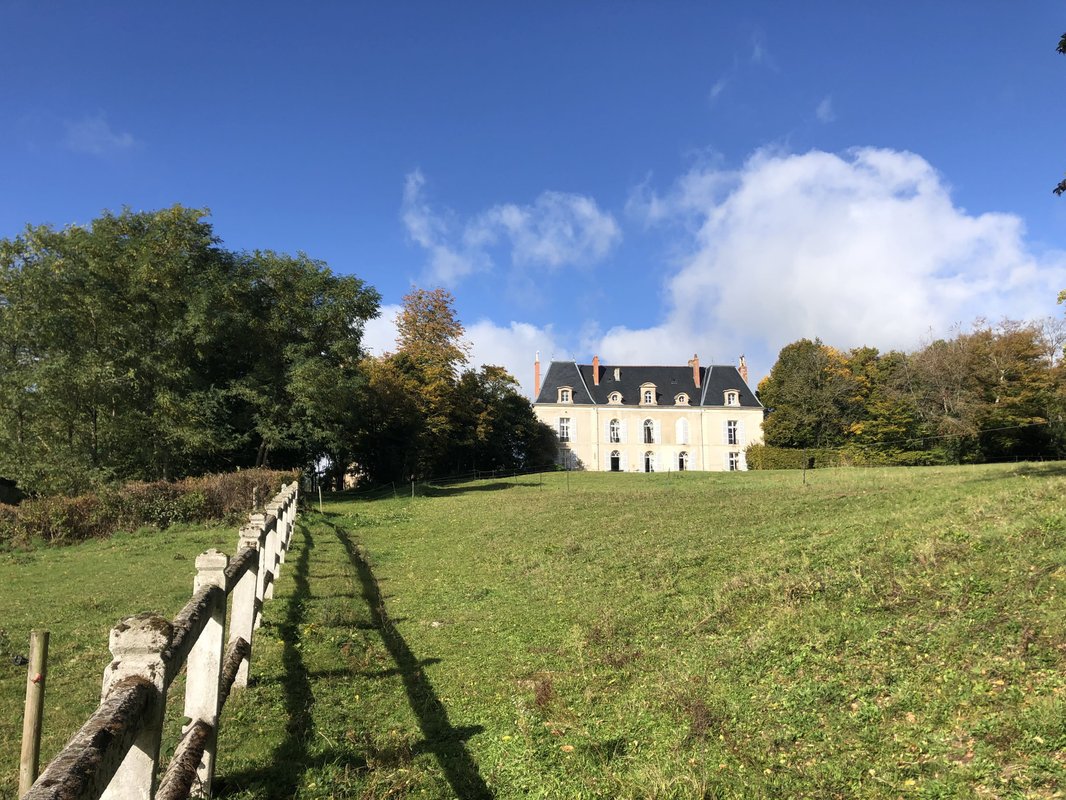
<point>734,461</point>
<point>649,461</point>
<point>682,461</point>
<point>616,461</point>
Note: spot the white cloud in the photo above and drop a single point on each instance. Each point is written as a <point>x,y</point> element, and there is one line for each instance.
<point>431,231</point>
<point>824,112</point>
<point>557,230</point>
<point>720,86</point>
<point>93,134</point>
<point>861,248</point>
<point>379,334</point>
<point>513,346</point>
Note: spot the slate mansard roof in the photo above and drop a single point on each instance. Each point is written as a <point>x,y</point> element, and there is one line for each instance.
<point>669,382</point>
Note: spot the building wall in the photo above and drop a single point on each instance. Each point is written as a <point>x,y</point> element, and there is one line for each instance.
<point>706,443</point>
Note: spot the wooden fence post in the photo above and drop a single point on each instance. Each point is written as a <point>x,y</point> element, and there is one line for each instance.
<point>245,600</point>
<point>31,720</point>
<point>204,666</point>
<point>137,645</point>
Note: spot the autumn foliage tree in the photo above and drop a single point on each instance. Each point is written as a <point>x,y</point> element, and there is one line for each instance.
<point>425,415</point>
<point>991,393</point>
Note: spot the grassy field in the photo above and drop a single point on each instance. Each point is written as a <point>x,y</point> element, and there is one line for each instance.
<point>873,633</point>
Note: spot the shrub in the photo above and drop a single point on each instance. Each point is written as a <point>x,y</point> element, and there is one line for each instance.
<point>762,456</point>
<point>59,520</point>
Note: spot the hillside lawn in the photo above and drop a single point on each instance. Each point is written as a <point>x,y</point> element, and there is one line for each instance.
<point>871,633</point>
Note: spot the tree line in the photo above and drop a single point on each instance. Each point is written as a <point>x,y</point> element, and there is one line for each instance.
<point>138,347</point>
<point>992,392</point>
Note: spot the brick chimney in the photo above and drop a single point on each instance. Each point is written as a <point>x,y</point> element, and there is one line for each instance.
<point>695,364</point>
<point>595,370</point>
<point>536,377</point>
<point>743,369</point>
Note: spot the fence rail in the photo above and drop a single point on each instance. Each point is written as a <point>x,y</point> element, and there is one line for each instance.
<point>115,754</point>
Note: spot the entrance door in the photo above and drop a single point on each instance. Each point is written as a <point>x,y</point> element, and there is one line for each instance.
<point>616,462</point>
<point>649,462</point>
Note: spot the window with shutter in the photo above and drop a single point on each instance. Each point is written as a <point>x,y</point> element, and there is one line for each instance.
<point>681,431</point>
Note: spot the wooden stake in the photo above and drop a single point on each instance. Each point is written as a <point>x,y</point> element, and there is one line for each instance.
<point>31,720</point>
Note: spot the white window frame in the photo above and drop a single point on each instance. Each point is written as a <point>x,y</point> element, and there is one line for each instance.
<point>614,431</point>
<point>734,461</point>
<point>683,461</point>
<point>732,398</point>
<point>648,395</point>
<point>614,399</point>
<point>648,426</point>
<point>564,429</point>
<point>681,399</point>
<point>732,432</point>
<point>566,394</point>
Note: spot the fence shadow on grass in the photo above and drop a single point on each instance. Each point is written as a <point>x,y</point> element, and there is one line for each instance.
<point>441,738</point>
<point>1026,469</point>
<point>448,491</point>
<point>290,760</point>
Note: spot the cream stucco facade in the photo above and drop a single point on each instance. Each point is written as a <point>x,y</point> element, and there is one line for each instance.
<point>603,428</point>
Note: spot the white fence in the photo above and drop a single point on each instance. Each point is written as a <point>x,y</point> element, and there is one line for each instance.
<point>115,755</point>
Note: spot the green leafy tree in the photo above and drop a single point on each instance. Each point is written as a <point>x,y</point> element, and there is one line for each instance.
<point>811,394</point>
<point>137,347</point>
<point>301,371</point>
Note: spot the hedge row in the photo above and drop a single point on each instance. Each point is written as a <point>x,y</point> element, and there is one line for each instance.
<point>61,520</point>
<point>761,456</point>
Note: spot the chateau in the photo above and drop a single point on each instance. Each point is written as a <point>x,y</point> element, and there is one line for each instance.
<point>649,419</point>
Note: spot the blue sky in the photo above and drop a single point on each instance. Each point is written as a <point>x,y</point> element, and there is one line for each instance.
<point>641,181</point>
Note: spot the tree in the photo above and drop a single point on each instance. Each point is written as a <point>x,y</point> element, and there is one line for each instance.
<point>98,382</point>
<point>301,373</point>
<point>390,423</point>
<point>137,347</point>
<point>420,417</point>
<point>430,337</point>
<point>811,394</point>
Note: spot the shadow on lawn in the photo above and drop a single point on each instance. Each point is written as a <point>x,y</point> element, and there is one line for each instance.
<point>449,491</point>
<point>441,738</point>
<point>290,761</point>
<point>1027,469</point>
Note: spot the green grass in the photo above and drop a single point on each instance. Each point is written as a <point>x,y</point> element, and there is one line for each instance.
<point>874,633</point>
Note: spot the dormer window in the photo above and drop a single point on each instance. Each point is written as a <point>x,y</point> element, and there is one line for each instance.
<point>681,399</point>
<point>647,394</point>
<point>614,399</point>
<point>732,398</point>
<point>566,395</point>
